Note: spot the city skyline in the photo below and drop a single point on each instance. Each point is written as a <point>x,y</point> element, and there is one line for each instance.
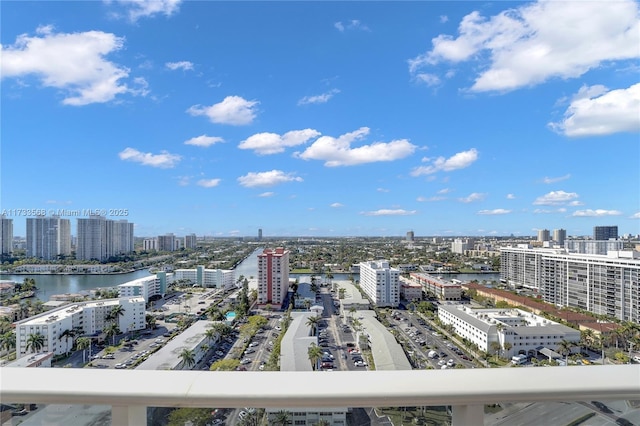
<point>324,119</point>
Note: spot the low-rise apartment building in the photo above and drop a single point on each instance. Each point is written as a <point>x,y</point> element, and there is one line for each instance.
<point>516,331</point>
<point>208,278</point>
<point>443,290</point>
<point>85,318</point>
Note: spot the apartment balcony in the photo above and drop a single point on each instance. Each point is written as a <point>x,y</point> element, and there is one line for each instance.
<point>130,392</point>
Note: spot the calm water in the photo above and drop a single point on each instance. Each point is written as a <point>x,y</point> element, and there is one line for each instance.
<point>59,284</point>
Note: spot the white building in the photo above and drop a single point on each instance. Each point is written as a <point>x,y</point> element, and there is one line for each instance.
<point>593,246</point>
<point>48,237</point>
<point>190,241</point>
<point>605,285</point>
<point>146,287</point>
<point>100,238</point>
<point>89,318</point>
<point>524,332</point>
<point>209,278</point>
<point>443,290</point>
<point>460,245</point>
<point>273,276</point>
<point>380,282</point>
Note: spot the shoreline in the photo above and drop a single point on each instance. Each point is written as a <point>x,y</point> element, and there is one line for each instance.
<point>74,273</point>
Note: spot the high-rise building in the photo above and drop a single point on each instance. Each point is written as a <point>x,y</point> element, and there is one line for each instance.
<point>48,237</point>
<point>601,233</point>
<point>380,282</point>
<point>593,247</point>
<point>190,241</point>
<point>150,244</point>
<point>6,235</point>
<point>410,236</point>
<point>543,235</point>
<point>605,285</point>
<point>559,235</point>
<point>100,238</point>
<point>166,242</point>
<point>260,234</point>
<point>273,276</point>
<point>460,245</point>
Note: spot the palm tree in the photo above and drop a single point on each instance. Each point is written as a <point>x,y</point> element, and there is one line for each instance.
<point>112,330</point>
<point>322,422</point>
<point>8,340</point>
<point>82,344</point>
<point>35,342</point>
<point>564,348</point>
<point>68,333</point>
<point>282,418</point>
<point>495,348</point>
<point>116,312</point>
<point>312,322</point>
<point>211,334</point>
<point>188,358</point>
<point>315,354</point>
<point>214,313</point>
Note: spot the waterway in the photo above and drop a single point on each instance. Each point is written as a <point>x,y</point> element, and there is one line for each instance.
<point>49,285</point>
<point>59,284</point>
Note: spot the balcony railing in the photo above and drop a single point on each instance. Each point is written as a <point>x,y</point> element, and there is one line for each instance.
<point>130,392</point>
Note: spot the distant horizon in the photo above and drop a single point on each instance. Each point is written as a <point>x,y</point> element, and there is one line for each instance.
<point>332,119</point>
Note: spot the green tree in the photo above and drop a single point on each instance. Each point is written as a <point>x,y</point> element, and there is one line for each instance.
<point>35,342</point>
<point>194,416</point>
<point>67,334</point>
<point>564,348</point>
<point>282,418</point>
<point>314,352</point>
<point>495,348</point>
<point>225,365</point>
<point>112,331</point>
<point>313,322</point>
<point>322,422</point>
<point>8,340</point>
<point>188,358</point>
<point>83,343</point>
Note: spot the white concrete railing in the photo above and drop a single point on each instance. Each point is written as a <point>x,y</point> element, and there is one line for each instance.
<point>129,392</point>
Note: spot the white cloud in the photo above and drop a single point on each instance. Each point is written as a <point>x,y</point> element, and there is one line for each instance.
<point>72,62</point>
<point>164,160</point>
<point>596,213</point>
<point>184,180</point>
<point>209,183</point>
<point>233,110</point>
<point>337,205</point>
<point>389,212</point>
<point>338,152</point>
<point>494,212</point>
<point>270,178</point>
<point>555,179</point>
<point>318,99</point>
<point>272,143</point>
<point>635,216</point>
<point>598,112</point>
<point>511,197</point>
<point>204,141</point>
<point>460,160</point>
<point>444,19</point>
<point>555,198</point>
<point>426,78</point>
<point>354,24</point>
<point>382,190</point>
<point>147,8</point>
<point>430,199</point>
<point>547,211</point>
<point>473,197</point>
<point>267,194</point>
<point>535,42</point>
<point>444,191</point>
<point>181,65</point>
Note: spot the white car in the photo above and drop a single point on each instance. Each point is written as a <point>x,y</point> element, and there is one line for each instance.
<point>242,414</point>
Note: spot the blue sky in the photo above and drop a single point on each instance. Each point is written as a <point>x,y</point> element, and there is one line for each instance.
<point>324,118</point>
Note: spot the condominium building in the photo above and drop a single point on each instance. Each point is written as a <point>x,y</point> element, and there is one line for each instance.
<point>443,290</point>
<point>543,235</point>
<point>48,237</point>
<point>166,242</point>
<point>150,244</point>
<point>100,238</point>
<point>146,287</point>
<point>605,232</point>
<point>88,318</point>
<point>460,245</point>
<point>559,236</point>
<point>593,246</point>
<point>6,235</point>
<point>514,330</point>
<point>209,278</point>
<point>190,241</point>
<point>602,284</point>
<point>380,282</point>
<point>273,276</point>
